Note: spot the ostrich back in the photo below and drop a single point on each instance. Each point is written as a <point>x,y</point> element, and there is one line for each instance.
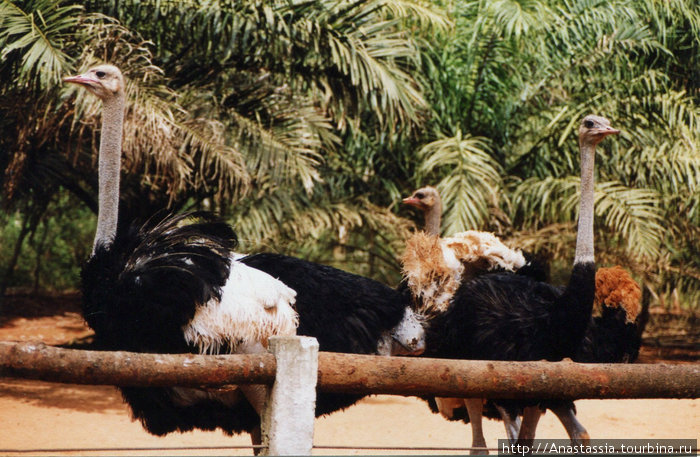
<point>141,289</point>
<point>344,312</point>
<point>503,316</point>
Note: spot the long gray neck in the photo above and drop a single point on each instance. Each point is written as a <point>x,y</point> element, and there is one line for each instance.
<point>584,235</point>
<point>432,219</point>
<point>108,170</point>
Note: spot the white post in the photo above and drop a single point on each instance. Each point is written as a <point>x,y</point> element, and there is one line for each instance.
<point>288,419</point>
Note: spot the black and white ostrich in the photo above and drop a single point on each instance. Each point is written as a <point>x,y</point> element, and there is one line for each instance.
<point>505,316</point>
<point>345,313</point>
<point>174,285</point>
<point>170,285</point>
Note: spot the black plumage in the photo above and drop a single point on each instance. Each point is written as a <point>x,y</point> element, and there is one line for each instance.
<point>609,338</point>
<point>490,318</point>
<point>505,316</point>
<point>512,316</point>
<point>344,312</point>
<point>536,267</point>
<point>141,289</point>
<point>160,413</point>
<point>139,292</point>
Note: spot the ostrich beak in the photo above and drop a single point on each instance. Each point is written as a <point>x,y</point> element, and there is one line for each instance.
<point>83,80</point>
<point>608,131</point>
<point>413,201</point>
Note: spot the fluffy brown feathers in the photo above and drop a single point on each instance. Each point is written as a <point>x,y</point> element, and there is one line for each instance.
<point>615,287</point>
<point>429,277</point>
<point>434,267</point>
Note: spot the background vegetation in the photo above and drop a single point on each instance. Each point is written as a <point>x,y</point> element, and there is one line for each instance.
<point>304,122</point>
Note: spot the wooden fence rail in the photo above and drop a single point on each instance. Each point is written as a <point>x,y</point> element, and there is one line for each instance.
<point>354,373</point>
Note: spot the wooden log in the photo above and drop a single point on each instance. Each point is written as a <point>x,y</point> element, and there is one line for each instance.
<point>355,373</point>
<point>118,368</point>
<point>501,379</point>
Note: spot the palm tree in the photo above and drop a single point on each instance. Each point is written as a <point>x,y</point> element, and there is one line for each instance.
<point>520,84</point>
<point>292,82</point>
<point>306,121</point>
<point>270,89</point>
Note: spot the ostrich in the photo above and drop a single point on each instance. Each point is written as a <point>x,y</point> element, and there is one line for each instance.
<point>465,255</point>
<point>502,316</point>
<point>613,335</point>
<point>174,285</point>
<point>171,284</point>
<point>345,313</point>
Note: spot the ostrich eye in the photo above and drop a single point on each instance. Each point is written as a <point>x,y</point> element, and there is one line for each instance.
<point>588,124</point>
<point>420,195</point>
<point>100,74</point>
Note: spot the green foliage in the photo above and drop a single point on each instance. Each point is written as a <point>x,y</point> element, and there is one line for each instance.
<point>523,74</point>
<point>32,38</point>
<point>53,253</point>
<point>305,121</point>
<point>471,183</point>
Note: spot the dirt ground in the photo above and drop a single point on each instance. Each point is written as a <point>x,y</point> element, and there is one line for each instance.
<point>39,418</point>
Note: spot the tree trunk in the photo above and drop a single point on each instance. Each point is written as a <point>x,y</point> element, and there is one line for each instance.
<point>9,271</point>
<point>39,251</point>
<point>33,214</point>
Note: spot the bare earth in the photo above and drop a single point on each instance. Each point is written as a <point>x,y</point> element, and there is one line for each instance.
<point>39,418</point>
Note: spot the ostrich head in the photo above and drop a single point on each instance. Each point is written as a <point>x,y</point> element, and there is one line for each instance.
<point>593,129</point>
<point>427,199</point>
<point>424,198</point>
<point>104,81</point>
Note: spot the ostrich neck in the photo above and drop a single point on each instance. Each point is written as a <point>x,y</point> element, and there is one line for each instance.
<point>432,220</point>
<point>109,164</point>
<point>584,235</point>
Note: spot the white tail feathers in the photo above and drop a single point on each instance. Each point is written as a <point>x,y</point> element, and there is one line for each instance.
<point>253,307</point>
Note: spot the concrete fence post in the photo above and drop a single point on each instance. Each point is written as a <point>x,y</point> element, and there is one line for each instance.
<point>288,419</point>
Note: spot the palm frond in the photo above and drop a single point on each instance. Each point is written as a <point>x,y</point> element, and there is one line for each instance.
<point>274,216</point>
<point>633,215</point>
<point>469,179</point>
<point>516,17</point>
<point>161,139</point>
<point>426,14</point>
<point>355,55</point>
<point>282,134</point>
<point>33,36</point>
